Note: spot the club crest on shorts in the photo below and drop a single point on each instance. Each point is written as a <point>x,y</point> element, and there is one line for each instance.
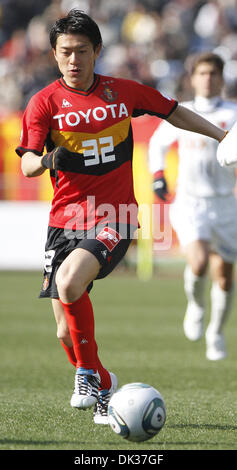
<point>108,94</point>
<point>109,237</point>
<point>45,283</point>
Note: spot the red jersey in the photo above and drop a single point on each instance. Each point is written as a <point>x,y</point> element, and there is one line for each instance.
<point>97,125</point>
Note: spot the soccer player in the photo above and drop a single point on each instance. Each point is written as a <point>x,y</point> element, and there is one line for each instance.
<point>84,121</point>
<point>204,213</point>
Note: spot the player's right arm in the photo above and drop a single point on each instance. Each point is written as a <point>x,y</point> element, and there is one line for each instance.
<point>59,158</point>
<point>35,129</point>
<point>31,165</point>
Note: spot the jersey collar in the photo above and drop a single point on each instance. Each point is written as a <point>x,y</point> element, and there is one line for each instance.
<point>81,92</point>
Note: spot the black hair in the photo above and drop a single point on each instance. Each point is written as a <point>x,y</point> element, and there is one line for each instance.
<point>76,22</point>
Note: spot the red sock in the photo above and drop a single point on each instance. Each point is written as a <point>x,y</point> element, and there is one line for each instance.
<point>105,379</point>
<point>80,320</point>
<point>70,353</point>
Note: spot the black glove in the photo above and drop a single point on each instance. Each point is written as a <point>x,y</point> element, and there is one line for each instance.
<point>160,185</point>
<point>61,159</point>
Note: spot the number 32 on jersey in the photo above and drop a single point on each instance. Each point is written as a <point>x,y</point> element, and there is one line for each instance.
<point>96,150</point>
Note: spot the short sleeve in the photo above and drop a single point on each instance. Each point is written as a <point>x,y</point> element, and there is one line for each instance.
<point>35,126</point>
<point>148,100</point>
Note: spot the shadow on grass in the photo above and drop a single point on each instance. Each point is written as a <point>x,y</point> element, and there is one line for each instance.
<point>221,427</point>
<point>148,443</point>
<point>18,445</point>
<point>18,442</point>
<point>204,445</point>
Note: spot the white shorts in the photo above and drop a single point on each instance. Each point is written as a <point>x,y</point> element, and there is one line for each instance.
<point>210,219</point>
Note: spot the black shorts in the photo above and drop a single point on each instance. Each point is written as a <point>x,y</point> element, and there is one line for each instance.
<point>107,244</point>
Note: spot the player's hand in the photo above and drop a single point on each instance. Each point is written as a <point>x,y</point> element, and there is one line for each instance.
<point>61,159</point>
<point>227,148</point>
<point>160,186</point>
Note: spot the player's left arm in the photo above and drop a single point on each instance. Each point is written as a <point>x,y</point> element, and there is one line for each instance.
<point>186,119</point>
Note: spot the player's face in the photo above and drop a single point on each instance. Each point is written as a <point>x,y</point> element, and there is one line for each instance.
<point>76,58</point>
<point>207,80</point>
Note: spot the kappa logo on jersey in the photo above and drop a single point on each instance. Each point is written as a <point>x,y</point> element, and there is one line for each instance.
<point>109,237</point>
<point>66,104</point>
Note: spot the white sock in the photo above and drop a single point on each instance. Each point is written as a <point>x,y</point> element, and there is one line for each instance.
<point>194,287</point>
<point>221,303</point>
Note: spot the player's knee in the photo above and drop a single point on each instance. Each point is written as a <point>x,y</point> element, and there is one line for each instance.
<point>62,278</point>
<point>62,281</point>
<point>69,286</point>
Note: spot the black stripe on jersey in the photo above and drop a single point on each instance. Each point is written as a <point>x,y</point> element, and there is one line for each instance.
<point>123,153</point>
<point>21,150</point>
<point>140,112</point>
<point>49,143</point>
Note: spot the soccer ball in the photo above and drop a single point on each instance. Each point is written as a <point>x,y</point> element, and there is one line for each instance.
<point>137,412</point>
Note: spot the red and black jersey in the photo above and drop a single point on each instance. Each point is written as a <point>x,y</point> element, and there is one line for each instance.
<point>97,125</point>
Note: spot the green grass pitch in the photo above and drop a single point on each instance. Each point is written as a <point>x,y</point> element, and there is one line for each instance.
<point>140,338</point>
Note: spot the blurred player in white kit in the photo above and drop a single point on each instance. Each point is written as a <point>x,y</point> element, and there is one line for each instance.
<point>204,213</point>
